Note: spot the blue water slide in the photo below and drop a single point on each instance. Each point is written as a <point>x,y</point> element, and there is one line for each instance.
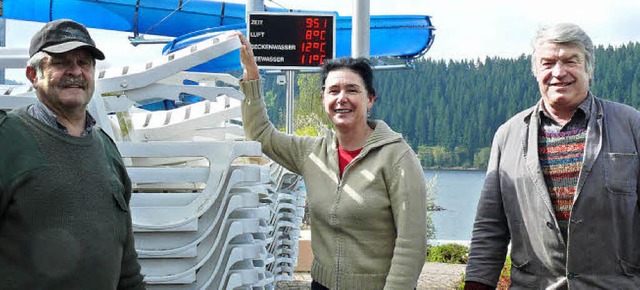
<point>406,36</point>
<point>159,17</point>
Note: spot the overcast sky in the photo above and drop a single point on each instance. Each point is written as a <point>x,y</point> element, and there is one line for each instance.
<point>465,29</point>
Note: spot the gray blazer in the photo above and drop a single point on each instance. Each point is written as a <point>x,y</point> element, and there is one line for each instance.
<point>603,245</point>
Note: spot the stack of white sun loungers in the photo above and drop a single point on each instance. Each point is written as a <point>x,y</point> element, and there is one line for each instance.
<point>209,212</point>
<point>14,96</point>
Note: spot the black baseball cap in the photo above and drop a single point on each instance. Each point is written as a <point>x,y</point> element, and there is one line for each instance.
<point>60,36</point>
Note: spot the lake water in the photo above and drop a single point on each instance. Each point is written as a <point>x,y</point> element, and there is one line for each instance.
<point>457,192</point>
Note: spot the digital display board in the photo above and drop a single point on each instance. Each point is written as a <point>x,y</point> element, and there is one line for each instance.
<point>291,40</point>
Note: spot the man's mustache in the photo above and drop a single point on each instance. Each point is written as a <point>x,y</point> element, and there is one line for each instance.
<point>73,82</point>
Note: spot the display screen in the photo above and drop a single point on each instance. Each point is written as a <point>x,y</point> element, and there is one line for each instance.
<point>291,40</point>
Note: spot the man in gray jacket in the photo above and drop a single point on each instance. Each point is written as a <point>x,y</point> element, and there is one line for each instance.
<point>562,182</point>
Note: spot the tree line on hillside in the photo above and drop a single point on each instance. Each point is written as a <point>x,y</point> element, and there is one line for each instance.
<point>448,111</point>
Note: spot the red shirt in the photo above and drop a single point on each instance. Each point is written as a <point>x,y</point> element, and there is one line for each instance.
<point>345,157</point>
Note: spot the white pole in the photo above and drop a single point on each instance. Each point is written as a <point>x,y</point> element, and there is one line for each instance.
<point>253,5</point>
<point>291,76</point>
<point>3,31</point>
<point>360,32</point>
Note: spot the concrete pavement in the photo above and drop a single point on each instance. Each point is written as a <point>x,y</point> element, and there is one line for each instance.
<point>440,276</point>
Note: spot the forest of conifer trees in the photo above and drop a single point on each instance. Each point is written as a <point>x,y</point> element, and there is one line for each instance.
<point>449,110</point>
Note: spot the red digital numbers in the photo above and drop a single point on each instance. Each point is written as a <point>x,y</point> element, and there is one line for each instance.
<point>315,34</point>
<point>316,23</point>
<point>313,47</point>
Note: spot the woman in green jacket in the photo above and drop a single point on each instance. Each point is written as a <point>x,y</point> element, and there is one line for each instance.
<point>365,186</point>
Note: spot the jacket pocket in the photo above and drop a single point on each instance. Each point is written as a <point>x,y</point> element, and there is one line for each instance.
<point>621,171</point>
<point>629,269</point>
<point>520,245</point>
<point>521,279</point>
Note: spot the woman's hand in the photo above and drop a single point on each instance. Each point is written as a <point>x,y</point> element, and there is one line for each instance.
<point>247,60</point>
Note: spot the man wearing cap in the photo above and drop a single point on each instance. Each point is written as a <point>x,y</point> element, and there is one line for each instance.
<point>65,222</point>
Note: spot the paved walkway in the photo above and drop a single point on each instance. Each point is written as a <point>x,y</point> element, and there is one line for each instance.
<point>438,276</point>
<point>441,276</point>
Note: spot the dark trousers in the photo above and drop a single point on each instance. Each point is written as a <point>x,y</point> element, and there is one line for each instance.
<point>316,286</point>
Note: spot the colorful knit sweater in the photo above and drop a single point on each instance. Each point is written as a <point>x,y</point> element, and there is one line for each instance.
<point>561,156</point>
